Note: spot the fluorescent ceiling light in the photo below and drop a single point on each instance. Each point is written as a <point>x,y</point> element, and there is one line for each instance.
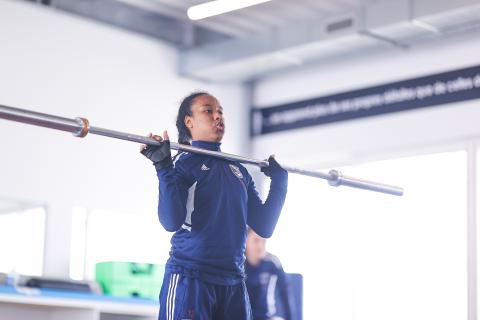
<point>424,25</point>
<point>216,7</point>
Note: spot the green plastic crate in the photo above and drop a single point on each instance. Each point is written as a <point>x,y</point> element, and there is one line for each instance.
<point>133,290</point>
<point>129,279</point>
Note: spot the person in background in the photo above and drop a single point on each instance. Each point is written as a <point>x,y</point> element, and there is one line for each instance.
<point>207,202</point>
<point>266,282</point>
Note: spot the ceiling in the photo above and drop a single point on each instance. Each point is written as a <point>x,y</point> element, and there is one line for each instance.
<point>259,18</point>
<point>278,35</point>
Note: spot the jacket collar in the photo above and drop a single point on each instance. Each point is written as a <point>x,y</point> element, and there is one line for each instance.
<point>215,146</point>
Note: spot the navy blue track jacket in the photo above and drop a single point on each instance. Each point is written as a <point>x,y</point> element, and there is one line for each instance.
<point>268,289</point>
<point>208,202</point>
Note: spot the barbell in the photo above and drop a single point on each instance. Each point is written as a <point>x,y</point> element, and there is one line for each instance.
<point>80,127</point>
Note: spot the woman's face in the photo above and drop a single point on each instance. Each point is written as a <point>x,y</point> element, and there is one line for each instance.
<point>206,122</point>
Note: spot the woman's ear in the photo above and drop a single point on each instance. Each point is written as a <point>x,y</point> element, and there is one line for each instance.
<point>188,122</point>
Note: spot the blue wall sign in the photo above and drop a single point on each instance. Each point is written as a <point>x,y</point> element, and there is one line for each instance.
<point>429,91</point>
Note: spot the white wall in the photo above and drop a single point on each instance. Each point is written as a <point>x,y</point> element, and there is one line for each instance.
<point>375,137</point>
<point>60,64</point>
<point>355,141</point>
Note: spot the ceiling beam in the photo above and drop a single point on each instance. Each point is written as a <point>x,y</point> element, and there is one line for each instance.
<point>143,17</point>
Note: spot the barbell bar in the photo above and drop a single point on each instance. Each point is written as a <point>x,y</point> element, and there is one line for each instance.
<point>80,127</point>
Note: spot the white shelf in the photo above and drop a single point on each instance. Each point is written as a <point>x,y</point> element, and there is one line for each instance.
<point>23,304</point>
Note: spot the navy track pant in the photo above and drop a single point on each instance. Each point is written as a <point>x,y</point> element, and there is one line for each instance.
<point>186,298</point>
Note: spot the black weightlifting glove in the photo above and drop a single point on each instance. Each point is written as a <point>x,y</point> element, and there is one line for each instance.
<point>159,155</point>
<point>274,170</point>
